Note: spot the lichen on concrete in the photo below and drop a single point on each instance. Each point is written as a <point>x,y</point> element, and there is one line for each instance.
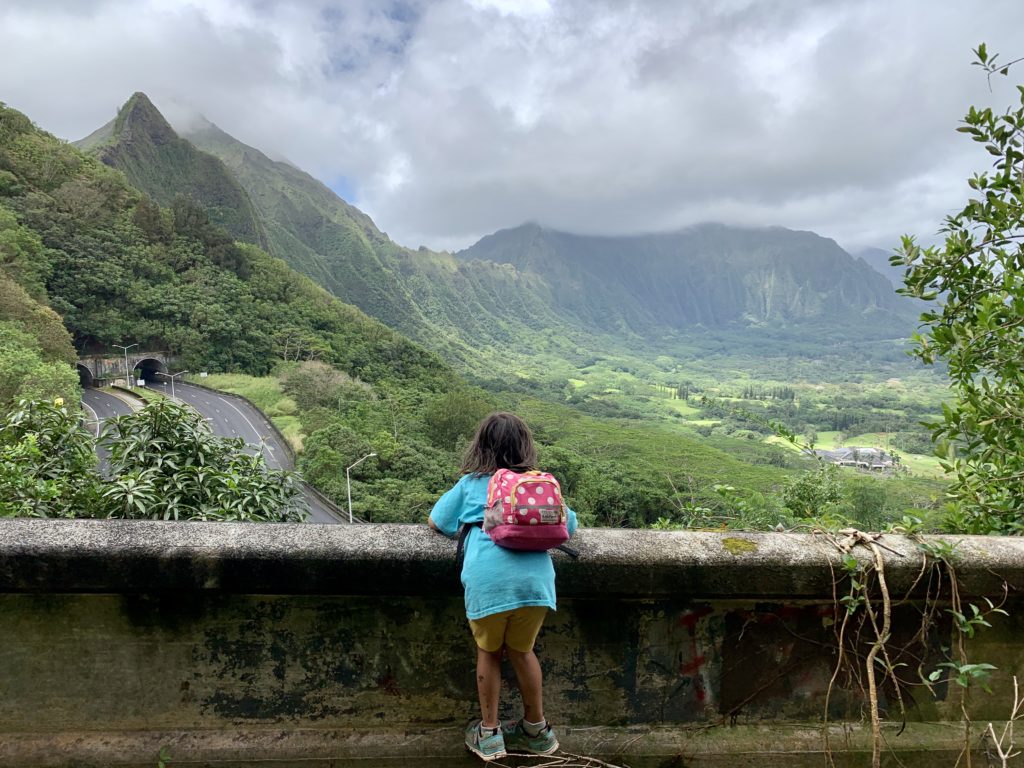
<point>739,546</point>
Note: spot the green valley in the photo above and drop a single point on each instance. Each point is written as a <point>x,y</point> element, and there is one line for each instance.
<point>656,392</point>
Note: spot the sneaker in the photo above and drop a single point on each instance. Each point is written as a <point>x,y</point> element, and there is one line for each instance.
<point>518,740</point>
<point>489,745</point>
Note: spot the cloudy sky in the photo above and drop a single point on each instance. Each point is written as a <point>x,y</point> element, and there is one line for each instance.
<point>448,119</point>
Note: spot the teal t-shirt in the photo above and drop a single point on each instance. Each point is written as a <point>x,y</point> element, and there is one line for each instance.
<point>495,579</point>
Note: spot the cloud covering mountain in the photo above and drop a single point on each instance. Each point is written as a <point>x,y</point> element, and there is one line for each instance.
<point>449,119</point>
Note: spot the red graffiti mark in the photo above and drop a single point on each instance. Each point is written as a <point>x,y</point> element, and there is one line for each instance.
<point>690,618</point>
<point>692,666</point>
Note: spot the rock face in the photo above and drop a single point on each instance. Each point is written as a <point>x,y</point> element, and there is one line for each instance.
<point>581,294</point>
<point>140,143</point>
<point>710,275</point>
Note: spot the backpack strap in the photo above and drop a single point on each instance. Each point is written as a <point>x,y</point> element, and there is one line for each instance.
<point>460,548</point>
<point>570,551</point>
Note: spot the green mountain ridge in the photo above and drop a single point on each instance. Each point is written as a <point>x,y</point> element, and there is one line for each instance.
<point>531,290</point>
<point>711,275</point>
<point>708,275</point>
<point>116,266</point>
<point>141,144</point>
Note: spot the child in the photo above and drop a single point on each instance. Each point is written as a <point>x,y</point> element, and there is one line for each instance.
<point>508,592</point>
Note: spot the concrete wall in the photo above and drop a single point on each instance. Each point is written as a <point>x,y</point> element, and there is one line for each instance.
<point>231,643</point>
<point>111,366</point>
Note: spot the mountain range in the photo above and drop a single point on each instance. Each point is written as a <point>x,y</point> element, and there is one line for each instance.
<point>578,293</point>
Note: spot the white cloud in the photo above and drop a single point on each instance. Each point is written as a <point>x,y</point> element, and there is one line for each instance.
<point>453,118</point>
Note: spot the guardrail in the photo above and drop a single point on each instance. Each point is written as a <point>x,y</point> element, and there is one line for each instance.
<point>234,642</point>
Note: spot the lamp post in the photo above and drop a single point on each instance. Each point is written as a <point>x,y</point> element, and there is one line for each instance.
<point>172,377</point>
<point>348,484</point>
<point>127,373</point>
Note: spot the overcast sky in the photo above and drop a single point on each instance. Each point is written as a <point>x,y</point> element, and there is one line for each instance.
<point>446,120</point>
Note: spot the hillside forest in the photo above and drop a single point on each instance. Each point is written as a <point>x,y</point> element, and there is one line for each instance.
<point>653,408</point>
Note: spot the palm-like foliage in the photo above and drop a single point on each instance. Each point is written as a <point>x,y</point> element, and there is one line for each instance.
<point>164,462</point>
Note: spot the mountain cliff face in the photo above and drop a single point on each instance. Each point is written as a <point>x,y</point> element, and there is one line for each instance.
<point>315,231</point>
<point>115,266</point>
<point>712,275</point>
<point>140,143</point>
<point>709,275</point>
<point>517,287</point>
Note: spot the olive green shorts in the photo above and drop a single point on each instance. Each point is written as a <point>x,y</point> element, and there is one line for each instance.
<point>516,629</point>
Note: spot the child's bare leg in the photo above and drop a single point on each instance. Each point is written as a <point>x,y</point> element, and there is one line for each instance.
<point>531,682</point>
<point>488,685</point>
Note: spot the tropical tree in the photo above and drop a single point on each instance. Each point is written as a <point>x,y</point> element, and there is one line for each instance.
<point>167,465</point>
<point>47,463</point>
<point>163,465</point>
<point>975,282</point>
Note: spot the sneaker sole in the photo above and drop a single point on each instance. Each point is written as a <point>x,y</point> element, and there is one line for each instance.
<point>527,751</point>
<point>549,751</point>
<point>486,758</point>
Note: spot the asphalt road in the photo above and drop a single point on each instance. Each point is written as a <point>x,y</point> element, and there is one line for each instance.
<point>100,406</point>
<point>233,417</point>
<point>227,417</point>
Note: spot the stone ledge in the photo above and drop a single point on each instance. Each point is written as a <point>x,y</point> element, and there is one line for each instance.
<point>114,556</point>
<point>785,745</point>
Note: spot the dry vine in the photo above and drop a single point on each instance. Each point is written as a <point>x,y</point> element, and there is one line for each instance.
<point>852,538</point>
<point>1005,751</point>
<point>939,575</point>
<point>560,760</point>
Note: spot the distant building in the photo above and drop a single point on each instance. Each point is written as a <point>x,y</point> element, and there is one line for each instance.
<point>871,459</point>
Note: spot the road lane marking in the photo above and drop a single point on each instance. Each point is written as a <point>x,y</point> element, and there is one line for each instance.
<point>255,431</point>
<point>95,416</point>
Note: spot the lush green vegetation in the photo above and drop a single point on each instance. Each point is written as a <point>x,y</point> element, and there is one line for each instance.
<point>671,436</point>
<point>163,465</point>
<point>116,266</point>
<point>976,283</point>
<point>35,349</point>
<point>648,469</point>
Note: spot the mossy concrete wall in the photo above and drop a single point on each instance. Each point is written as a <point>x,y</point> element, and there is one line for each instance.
<point>231,643</point>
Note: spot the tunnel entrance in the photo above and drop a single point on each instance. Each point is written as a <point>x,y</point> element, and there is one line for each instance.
<point>85,378</point>
<point>148,369</point>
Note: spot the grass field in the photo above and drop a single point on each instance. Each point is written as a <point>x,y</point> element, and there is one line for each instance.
<point>682,407</point>
<point>918,464</point>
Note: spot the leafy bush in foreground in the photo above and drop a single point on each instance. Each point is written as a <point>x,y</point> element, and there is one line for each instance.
<point>164,465</point>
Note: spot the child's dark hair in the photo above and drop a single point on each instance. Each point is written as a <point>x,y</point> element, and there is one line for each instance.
<point>502,441</point>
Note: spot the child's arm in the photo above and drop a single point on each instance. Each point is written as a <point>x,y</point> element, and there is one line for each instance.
<point>572,523</point>
<point>444,517</point>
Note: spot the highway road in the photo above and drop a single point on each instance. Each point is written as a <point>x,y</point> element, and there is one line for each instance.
<point>233,417</point>
<point>100,406</point>
<point>227,417</point>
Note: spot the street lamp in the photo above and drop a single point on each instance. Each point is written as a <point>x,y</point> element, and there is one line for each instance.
<point>172,377</point>
<point>127,373</point>
<point>348,484</point>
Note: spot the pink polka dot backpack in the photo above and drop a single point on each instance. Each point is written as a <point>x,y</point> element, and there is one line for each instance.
<point>525,511</point>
